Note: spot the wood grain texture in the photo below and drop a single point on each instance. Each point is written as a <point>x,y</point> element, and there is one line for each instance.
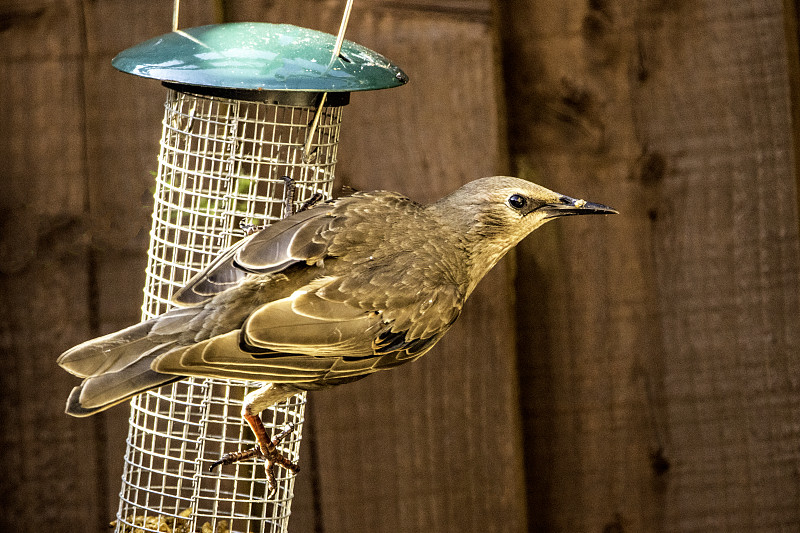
<point>660,393</point>
<point>791,26</point>
<point>43,273</point>
<point>78,141</point>
<point>727,243</point>
<point>590,348</point>
<point>657,349</point>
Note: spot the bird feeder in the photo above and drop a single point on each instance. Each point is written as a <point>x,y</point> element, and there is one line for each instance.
<point>248,106</point>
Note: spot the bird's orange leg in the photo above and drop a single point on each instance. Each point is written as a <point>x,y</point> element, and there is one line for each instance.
<point>267,448</point>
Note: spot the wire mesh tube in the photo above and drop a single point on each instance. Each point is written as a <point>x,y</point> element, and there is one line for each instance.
<point>221,167</point>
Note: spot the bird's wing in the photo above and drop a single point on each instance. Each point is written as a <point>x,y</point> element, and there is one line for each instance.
<point>382,294</point>
<point>286,242</point>
<point>307,339</point>
<point>272,249</point>
<point>305,323</point>
<point>219,275</point>
<point>304,237</point>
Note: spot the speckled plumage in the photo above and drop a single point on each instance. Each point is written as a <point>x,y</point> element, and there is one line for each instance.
<point>332,294</point>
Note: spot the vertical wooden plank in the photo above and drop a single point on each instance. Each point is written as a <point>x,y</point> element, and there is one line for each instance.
<point>432,446</point>
<point>727,246</point>
<point>590,350</point>
<point>79,140</point>
<point>123,115</point>
<point>436,442</point>
<point>663,358</point>
<point>791,25</point>
<point>43,270</point>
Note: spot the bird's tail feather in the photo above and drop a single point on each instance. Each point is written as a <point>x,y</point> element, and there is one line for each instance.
<point>101,392</point>
<point>116,367</point>
<point>109,353</point>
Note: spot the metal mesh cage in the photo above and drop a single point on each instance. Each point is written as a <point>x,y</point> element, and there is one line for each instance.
<point>221,166</point>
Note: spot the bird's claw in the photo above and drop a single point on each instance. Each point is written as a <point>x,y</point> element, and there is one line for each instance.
<point>311,202</point>
<point>271,455</point>
<point>249,228</point>
<point>233,457</point>
<point>288,198</point>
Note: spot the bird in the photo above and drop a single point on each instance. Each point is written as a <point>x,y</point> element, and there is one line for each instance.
<point>327,296</point>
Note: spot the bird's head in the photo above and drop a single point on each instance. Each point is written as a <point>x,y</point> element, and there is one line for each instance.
<point>494,214</point>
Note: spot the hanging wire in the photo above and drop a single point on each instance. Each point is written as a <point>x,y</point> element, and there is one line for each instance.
<point>340,36</point>
<point>175,10</point>
<point>337,48</point>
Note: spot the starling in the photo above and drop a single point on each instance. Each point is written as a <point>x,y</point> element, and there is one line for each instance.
<point>326,296</point>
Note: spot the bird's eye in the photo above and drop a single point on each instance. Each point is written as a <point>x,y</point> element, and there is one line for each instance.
<point>517,201</point>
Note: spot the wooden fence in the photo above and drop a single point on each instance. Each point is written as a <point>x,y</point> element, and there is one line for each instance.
<point>631,373</point>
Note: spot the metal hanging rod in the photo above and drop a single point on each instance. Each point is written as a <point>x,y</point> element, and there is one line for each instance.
<point>337,48</point>
<point>175,9</point>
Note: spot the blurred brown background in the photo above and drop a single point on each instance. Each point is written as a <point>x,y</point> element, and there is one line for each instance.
<point>633,373</point>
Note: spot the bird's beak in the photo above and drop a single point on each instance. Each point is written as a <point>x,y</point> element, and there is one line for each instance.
<point>566,206</point>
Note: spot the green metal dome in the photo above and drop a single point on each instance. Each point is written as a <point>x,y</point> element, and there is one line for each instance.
<point>259,56</point>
